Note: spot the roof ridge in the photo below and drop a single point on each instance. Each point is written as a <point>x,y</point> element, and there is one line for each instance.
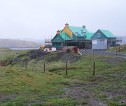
<point>73,26</point>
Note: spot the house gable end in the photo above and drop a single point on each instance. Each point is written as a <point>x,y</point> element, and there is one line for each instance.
<point>57,38</point>
<point>68,31</point>
<point>99,35</point>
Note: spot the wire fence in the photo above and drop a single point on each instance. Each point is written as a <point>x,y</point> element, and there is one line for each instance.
<point>54,66</point>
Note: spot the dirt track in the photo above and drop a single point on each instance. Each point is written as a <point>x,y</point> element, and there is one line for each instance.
<point>103,52</point>
<point>78,92</point>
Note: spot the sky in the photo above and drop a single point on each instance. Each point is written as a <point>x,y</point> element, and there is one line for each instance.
<point>40,19</point>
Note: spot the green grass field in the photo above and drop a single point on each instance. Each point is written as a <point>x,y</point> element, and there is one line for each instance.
<point>31,86</point>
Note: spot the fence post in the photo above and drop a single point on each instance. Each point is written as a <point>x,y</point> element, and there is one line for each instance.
<point>119,48</point>
<point>94,67</point>
<point>0,62</point>
<point>93,53</point>
<point>44,66</point>
<point>85,51</point>
<point>25,64</point>
<point>66,68</point>
<point>116,53</point>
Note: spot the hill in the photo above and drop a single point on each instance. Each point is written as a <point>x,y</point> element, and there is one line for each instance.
<point>123,38</point>
<point>11,43</point>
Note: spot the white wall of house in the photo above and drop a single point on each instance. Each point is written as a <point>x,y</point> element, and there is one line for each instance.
<point>99,44</point>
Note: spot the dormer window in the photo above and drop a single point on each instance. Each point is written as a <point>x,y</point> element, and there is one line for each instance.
<point>83,32</point>
<point>77,34</point>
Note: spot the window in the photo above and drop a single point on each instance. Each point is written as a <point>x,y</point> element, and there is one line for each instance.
<point>83,32</point>
<point>77,34</point>
<point>98,35</point>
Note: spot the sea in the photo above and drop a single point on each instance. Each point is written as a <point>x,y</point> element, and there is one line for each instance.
<point>26,48</point>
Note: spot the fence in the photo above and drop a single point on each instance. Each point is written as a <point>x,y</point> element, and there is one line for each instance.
<point>67,66</point>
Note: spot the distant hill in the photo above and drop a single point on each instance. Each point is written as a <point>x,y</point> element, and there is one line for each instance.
<point>10,43</point>
<point>123,38</point>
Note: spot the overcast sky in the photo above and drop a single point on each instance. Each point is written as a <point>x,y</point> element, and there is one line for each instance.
<point>40,19</point>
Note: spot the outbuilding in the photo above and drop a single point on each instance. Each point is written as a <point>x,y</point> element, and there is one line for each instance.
<point>103,39</point>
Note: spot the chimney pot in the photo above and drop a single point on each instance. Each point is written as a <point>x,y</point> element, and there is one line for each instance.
<point>84,26</point>
<point>66,25</point>
<point>58,32</point>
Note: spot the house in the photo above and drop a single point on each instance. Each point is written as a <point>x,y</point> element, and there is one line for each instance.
<point>103,39</point>
<point>72,36</point>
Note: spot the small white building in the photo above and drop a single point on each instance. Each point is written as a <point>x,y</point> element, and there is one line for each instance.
<point>103,39</point>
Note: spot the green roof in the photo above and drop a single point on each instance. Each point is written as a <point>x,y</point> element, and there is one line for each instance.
<point>80,31</point>
<point>89,35</point>
<point>77,31</point>
<point>65,36</point>
<point>61,31</point>
<point>107,33</point>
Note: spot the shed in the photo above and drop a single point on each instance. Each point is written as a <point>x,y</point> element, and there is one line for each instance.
<point>103,39</point>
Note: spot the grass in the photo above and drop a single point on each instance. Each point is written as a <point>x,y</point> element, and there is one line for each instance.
<point>61,102</point>
<point>22,86</point>
<point>121,48</point>
<point>29,84</point>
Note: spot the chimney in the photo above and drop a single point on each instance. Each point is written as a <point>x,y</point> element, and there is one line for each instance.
<point>58,32</point>
<point>66,25</point>
<point>84,26</point>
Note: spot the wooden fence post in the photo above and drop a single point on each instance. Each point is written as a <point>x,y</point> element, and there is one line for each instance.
<point>66,68</point>
<point>116,53</point>
<point>85,51</point>
<point>44,66</point>
<point>94,67</point>
<point>93,52</point>
<point>119,48</point>
<point>25,64</point>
